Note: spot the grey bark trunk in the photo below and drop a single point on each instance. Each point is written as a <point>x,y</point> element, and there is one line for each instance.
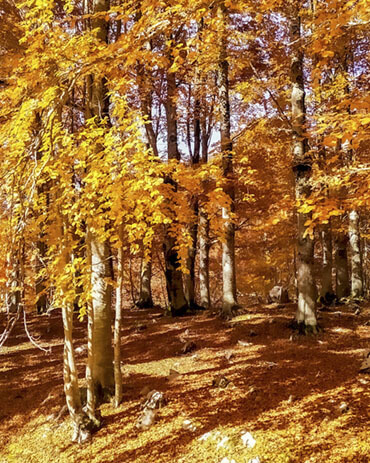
<point>117,330</point>
<point>81,424</point>
<point>327,261</point>
<point>101,291</point>
<point>101,295</point>
<point>189,278</point>
<point>145,293</point>
<point>176,297</point>
<point>307,292</point>
<point>357,287</point>
<point>13,294</point>
<point>341,266</point>
<point>41,247</point>
<point>204,246</point>
<point>203,228</point>
<point>229,301</point>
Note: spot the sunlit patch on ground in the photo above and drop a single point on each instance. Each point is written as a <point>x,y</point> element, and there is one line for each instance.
<point>286,391</point>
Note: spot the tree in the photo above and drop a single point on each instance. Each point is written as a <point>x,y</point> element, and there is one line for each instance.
<point>302,167</point>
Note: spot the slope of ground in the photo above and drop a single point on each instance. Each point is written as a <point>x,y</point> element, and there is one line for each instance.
<point>284,389</point>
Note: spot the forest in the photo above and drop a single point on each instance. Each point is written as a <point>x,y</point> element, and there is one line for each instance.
<point>184,231</point>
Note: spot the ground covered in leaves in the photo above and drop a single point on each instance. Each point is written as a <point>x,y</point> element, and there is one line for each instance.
<point>302,399</point>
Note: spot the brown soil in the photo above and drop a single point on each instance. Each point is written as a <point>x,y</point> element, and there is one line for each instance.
<point>286,390</point>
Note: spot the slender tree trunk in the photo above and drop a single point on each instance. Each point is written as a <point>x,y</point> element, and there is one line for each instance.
<point>357,289</point>
<point>101,294</point>
<point>189,278</point>
<point>41,247</point>
<point>101,290</point>
<point>327,262</point>
<point>307,292</point>
<point>343,288</point>
<point>91,392</point>
<point>203,228</point>
<point>117,329</point>
<point>81,430</point>
<point>176,297</point>
<point>13,293</point>
<point>204,246</point>
<point>228,246</point>
<point>145,293</point>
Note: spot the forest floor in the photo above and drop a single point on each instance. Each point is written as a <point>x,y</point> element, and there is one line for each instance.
<point>286,390</point>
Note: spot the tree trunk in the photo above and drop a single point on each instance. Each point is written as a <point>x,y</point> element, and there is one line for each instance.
<point>101,295</point>
<point>176,297</point>
<point>356,256</point>
<point>13,294</point>
<point>341,265</point>
<point>189,278</point>
<point>117,330</point>
<point>307,292</point>
<point>204,246</point>
<point>145,294</point>
<point>228,246</point>
<point>203,227</point>
<point>327,262</point>
<point>81,424</point>
<point>41,247</point>
<point>101,291</point>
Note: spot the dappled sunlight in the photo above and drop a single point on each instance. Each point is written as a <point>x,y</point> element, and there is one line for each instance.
<point>286,391</point>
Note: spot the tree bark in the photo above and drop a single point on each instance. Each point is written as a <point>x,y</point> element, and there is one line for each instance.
<point>327,262</point>
<point>307,292</point>
<point>228,246</point>
<point>203,227</point>
<point>117,329</point>
<point>101,290</point>
<point>145,293</point>
<point>357,289</point>
<point>189,278</point>
<point>176,297</point>
<point>101,295</point>
<point>42,303</point>
<point>204,246</point>
<point>341,265</point>
<point>81,424</point>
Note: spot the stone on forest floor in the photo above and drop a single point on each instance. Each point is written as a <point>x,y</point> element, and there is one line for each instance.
<point>252,333</point>
<point>154,399</point>
<point>254,460</point>
<point>226,460</point>
<point>278,294</point>
<point>248,440</point>
<point>365,365</point>
<point>189,347</point>
<point>245,343</point>
<point>220,381</point>
<point>173,374</point>
<point>189,425</point>
<point>141,327</point>
<point>146,419</point>
<point>229,355</point>
<point>344,407</point>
